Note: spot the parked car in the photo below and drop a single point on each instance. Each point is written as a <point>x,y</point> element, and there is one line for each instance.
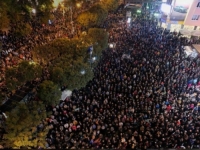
<point>180,9</point>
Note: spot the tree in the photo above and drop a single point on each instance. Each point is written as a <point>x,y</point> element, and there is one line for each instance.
<point>93,17</point>
<point>70,3</point>
<point>21,126</point>
<point>76,79</point>
<point>100,12</point>
<point>19,10</point>
<point>4,23</point>
<point>10,78</point>
<point>30,70</point>
<point>69,57</point>
<point>22,29</point>
<point>57,75</point>
<point>24,72</point>
<point>53,50</point>
<point>110,5</point>
<point>49,92</point>
<point>100,37</point>
<point>43,10</point>
<point>84,19</point>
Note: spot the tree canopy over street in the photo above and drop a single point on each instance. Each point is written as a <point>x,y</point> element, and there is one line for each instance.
<point>21,126</point>
<point>24,72</point>
<point>49,93</point>
<point>93,17</point>
<point>110,5</point>
<point>4,23</point>
<point>69,57</point>
<point>14,11</point>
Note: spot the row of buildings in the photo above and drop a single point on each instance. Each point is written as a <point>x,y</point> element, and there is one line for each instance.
<point>181,16</point>
<point>176,15</point>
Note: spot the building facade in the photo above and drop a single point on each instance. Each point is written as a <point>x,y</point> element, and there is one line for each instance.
<point>181,15</point>
<point>193,15</point>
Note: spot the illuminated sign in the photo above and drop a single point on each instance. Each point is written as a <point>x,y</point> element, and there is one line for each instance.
<point>165,8</point>
<point>129,20</point>
<point>180,9</point>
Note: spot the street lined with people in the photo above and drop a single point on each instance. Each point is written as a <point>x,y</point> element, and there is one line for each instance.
<point>144,100</point>
<point>144,94</point>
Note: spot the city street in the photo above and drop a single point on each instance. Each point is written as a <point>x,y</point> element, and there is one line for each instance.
<point>132,83</point>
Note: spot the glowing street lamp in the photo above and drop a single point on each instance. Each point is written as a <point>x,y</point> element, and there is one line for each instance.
<point>32,63</point>
<point>78,5</point>
<point>138,11</point>
<point>34,11</point>
<point>94,58</point>
<point>82,72</point>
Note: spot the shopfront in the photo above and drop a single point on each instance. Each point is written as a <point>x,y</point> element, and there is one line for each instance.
<point>181,15</point>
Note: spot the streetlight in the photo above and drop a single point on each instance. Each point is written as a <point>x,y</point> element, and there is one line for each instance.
<point>34,11</point>
<point>78,5</point>
<point>71,15</point>
<point>82,72</point>
<point>94,58</point>
<point>90,52</point>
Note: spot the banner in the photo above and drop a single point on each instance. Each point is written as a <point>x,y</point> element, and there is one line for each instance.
<point>165,9</point>
<point>180,9</point>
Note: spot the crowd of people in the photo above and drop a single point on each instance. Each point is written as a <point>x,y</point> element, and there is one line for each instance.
<point>143,94</point>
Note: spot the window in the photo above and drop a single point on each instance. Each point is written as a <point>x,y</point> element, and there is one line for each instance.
<point>169,2</point>
<point>198,5</point>
<point>195,17</point>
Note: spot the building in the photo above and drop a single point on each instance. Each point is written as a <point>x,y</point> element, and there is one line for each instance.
<point>181,15</point>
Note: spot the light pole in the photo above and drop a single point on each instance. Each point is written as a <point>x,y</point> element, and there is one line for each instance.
<point>91,50</point>
<point>71,16</point>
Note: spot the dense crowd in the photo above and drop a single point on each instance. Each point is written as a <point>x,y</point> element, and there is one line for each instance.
<point>143,95</point>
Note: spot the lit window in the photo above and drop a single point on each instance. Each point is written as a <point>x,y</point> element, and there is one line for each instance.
<point>195,17</point>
